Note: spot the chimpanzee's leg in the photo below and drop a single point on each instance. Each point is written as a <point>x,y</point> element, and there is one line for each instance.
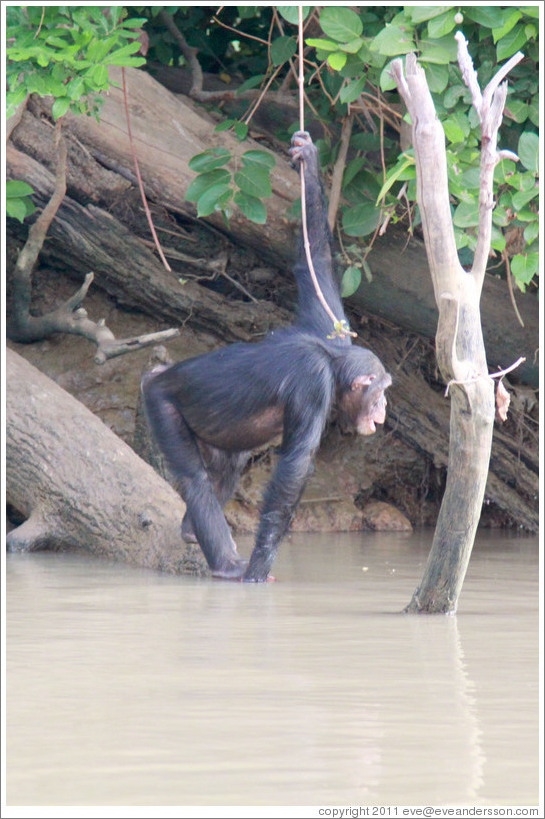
<point>224,470</point>
<point>184,459</point>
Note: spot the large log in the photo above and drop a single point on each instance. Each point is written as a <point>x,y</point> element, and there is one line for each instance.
<point>80,486</point>
<point>100,167</point>
<point>85,238</point>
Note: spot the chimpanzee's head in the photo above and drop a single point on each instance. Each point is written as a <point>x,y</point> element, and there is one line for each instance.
<point>361,403</point>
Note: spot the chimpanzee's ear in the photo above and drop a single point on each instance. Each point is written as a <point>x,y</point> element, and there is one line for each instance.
<point>362,381</point>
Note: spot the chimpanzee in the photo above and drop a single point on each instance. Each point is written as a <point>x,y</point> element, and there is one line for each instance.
<point>207,413</point>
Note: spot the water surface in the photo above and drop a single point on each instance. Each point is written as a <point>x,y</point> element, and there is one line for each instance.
<point>128,687</point>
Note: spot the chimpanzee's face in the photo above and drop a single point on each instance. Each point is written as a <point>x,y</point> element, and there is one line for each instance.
<point>364,405</point>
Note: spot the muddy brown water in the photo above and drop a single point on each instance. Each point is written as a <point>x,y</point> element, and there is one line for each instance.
<point>128,687</point>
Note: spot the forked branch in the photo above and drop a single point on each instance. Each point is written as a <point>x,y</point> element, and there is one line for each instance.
<point>69,317</point>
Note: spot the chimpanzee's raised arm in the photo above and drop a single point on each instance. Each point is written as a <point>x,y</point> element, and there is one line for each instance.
<point>311,316</point>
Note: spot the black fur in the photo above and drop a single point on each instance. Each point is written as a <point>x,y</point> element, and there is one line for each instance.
<point>209,412</point>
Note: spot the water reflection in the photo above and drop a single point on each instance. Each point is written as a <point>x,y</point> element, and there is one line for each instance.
<point>127,687</point>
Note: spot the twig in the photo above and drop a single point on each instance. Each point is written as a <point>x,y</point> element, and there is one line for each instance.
<point>196,91</point>
<point>338,171</point>
<point>139,176</point>
<point>505,257</point>
<point>499,374</point>
<point>256,103</point>
<point>237,31</point>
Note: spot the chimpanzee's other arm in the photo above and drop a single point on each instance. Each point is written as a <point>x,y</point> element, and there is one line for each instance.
<point>301,439</point>
<point>311,316</point>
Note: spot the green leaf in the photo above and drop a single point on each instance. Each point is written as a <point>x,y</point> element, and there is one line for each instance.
<point>511,43</point>
<point>419,14</point>
<point>488,16</point>
<point>76,88</point>
<point>241,130</point>
<point>517,109</point>
<point>510,21</point>
<point>352,169</point>
<point>252,208</point>
<point>353,46</point>
<point>522,181</point>
<point>521,198</point>
<point>60,107</point>
<point>122,55</point>
<point>99,75</point>
<point>452,95</point>
<point>461,238</point>
<point>209,160</point>
<point>471,178</point>
<point>466,214</point>
<point>282,49</point>
<point>528,151</point>
<point>387,81</point>
<point>351,92</point>
<point>393,175</point>
<point>504,170</point>
<point>455,128</point>
<point>97,49</point>
<point>15,188</point>
<point>442,24</point>
<point>225,125</point>
<point>531,232</point>
<point>337,60</point>
<point>526,215</point>
<point>214,198</point>
<point>321,44</point>
<point>530,11</point>
<point>443,50</point>
<point>497,239</point>
<point>254,180</point>
<point>262,158</point>
<point>361,220</point>
<point>291,13</point>
<point>253,82</point>
<point>351,280</point>
<point>393,40</point>
<point>16,209</point>
<point>205,181</point>
<point>247,12</point>
<point>524,267</point>
<point>437,76</point>
<point>340,23</point>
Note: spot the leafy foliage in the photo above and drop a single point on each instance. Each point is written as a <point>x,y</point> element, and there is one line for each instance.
<point>19,204</point>
<point>364,55</point>
<point>349,70</point>
<point>63,52</point>
<point>215,188</point>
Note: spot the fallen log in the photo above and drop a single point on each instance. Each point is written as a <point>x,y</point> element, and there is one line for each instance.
<point>100,172</point>
<point>80,486</point>
<point>87,238</point>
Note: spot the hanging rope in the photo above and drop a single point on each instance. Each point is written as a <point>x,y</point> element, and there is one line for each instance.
<point>340,327</point>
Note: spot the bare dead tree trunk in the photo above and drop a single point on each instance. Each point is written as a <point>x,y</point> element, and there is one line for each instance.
<point>460,348</point>
<point>80,486</point>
